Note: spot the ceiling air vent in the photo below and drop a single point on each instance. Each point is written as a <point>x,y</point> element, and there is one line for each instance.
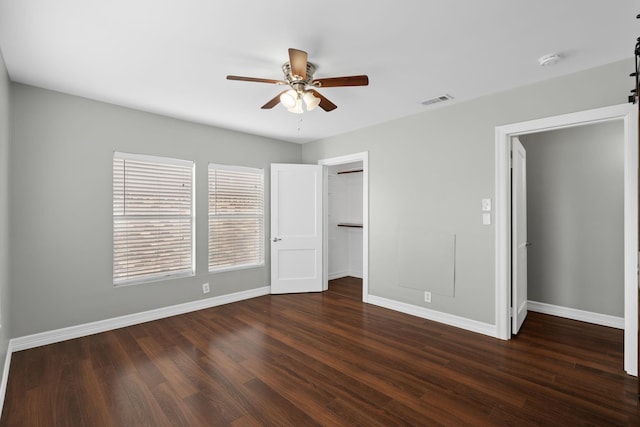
<point>437,99</point>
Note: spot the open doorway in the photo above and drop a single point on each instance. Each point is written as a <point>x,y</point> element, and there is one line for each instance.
<point>344,206</point>
<point>504,134</point>
<point>575,212</point>
<point>346,218</point>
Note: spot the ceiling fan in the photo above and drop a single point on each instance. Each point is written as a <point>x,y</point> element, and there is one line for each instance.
<point>298,75</point>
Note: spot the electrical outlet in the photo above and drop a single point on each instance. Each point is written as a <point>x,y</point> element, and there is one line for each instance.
<point>427,296</point>
<point>205,288</point>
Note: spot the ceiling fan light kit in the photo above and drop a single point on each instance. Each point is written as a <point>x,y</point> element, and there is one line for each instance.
<point>298,74</point>
<point>292,100</point>
<point>296,109</point>
<point>311,101</point>
<point>289,98</point>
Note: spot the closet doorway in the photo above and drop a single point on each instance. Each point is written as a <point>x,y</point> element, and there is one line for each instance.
<point>345,212</point>
<point>627,113</point>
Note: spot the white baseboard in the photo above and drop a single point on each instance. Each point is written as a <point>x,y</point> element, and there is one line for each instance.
<point>5,376</point>
<point>58,335</point>
<point>337,275</point>
<point>357,274</point>
<point>436,316</point>
<point>575,314</point>
<point>341,274</point>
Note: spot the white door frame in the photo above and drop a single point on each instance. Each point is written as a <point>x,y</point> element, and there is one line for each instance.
<point>628,113</point>
<point>349,158</point>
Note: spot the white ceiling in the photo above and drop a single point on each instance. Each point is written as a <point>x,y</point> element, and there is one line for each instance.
<point>172,56</point>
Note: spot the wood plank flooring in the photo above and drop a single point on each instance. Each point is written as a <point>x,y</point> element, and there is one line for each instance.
<point>323,359</point>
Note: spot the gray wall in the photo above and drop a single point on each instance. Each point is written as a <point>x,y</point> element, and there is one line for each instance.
<point>429,172</point>
<point>61,206</point>
<point>5,135</point>
<point>575,214</point>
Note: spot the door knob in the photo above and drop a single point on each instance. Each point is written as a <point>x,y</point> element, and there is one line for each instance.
<point>276,239</point>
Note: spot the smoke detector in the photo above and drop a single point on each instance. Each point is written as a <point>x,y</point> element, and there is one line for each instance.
<point>548,60</point>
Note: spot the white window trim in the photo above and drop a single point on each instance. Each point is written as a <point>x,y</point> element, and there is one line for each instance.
<point>157,159</point>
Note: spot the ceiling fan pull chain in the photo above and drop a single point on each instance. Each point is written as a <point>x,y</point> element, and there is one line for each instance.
<point>299,123</point>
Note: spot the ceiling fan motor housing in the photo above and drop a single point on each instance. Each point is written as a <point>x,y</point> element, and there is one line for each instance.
<point>294,79</point>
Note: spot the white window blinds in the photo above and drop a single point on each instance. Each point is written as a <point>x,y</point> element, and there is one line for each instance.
<point>153,218</point>
<point>236,217</point>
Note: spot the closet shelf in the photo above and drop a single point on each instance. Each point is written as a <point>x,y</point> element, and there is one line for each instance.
<point>349,224</point>
<point>350,171</point>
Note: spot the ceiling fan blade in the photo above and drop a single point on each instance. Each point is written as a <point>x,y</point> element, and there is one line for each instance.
<point>255,79</point>
<point>325,104</point>
<point>298,62</point>
<point>362,80</point>
<point>273,102</point>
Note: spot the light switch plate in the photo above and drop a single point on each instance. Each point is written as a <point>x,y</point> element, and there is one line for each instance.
<point>486,205</point>
<point>486,219</point>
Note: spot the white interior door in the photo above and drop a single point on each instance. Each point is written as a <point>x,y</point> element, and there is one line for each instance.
<point>518,235</point>
<point>296,228</point>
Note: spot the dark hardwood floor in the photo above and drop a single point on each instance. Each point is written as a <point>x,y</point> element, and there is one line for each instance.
<point>323,359</point>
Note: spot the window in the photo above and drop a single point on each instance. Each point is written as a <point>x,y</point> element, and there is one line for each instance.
<point>236,217</point>
<point>153,218</point>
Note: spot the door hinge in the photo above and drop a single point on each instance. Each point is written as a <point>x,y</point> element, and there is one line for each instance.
<point>510,311</point>
<point>511,159</point>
